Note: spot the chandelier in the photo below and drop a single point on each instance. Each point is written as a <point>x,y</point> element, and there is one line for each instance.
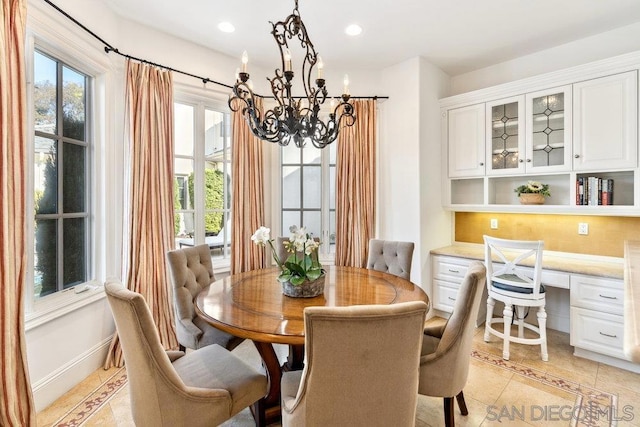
<point>293,118</point>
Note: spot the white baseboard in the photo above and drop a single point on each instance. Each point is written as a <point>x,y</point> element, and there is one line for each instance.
<point>607,360</point>
<point>63,379</point>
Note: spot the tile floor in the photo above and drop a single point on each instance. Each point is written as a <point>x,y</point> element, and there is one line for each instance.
<point>494,395</point>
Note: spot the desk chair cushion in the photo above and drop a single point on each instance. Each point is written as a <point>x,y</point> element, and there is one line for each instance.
<point>515,289</point>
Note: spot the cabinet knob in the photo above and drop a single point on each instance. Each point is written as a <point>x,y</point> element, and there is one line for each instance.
<point>481,164</point>
<point>528,160</point>
<point>521,161</point>
<point>577,156</point>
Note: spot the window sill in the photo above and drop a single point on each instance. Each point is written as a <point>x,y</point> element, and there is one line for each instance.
<point>222,266</point>
<point>61,303</point>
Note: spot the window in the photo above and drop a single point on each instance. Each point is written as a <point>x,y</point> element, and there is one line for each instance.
<point>202,197</point>
<point>306,174</point>
<point>61,176</point>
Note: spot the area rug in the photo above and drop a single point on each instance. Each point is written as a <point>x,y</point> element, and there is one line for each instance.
<point>95,400</point>
<point>592,408</point>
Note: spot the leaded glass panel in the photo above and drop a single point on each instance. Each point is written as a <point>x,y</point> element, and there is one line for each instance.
<point>504,136</point>
<point>548,130</point>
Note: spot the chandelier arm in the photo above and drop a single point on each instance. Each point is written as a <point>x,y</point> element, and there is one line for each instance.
<point>291,120</point>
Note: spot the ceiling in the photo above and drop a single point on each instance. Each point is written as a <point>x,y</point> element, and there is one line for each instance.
<point>456,35</point>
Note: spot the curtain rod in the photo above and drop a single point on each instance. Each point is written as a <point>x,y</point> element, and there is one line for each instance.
<point>108,48</point>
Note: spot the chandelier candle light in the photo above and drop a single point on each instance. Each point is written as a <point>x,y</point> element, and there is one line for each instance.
<point>291,119</point>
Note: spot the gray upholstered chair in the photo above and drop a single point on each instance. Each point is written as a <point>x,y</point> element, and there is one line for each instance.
<point>202,388</point>
<point>280,249</point>
<point>390,257</point>
<point>191,271</point>
<point>361,367</point>
<point>444,364</point>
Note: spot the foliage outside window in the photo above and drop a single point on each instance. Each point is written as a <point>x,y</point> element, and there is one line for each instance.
<point>202,198</point>
<point>305,173</point>
<point>61,176</point>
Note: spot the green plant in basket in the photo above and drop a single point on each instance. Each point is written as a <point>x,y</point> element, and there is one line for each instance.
<point>303,263</point>
<point>533,187</point>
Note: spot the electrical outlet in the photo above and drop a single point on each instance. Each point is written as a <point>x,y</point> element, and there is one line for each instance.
<point>494,224</point>
<point>583,228</point>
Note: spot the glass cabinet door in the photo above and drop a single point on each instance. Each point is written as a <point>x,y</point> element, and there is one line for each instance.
<point>505,136</point>
<point>549,130</point>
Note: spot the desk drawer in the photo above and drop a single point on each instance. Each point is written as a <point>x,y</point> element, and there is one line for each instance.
<point>444,295</point>
<point>596,293</point>
<point>453,269</point>
<point>596,331</point>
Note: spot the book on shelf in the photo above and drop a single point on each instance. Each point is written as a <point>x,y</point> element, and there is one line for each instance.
<point>594,191</point>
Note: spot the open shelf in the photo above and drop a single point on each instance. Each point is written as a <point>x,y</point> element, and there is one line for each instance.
<point>623,186</point>
<point>501,189</point>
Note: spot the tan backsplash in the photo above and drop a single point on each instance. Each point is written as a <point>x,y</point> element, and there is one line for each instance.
<point>559,232</point>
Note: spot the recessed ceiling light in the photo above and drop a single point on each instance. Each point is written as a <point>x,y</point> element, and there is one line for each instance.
<point>353,30</point>
<point>226,27</point>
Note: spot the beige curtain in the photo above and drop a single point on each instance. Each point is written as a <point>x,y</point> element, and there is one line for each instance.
<point>149,213</point>
<point>356,186</point>
<point>247,173</point>
<point>16,406</point>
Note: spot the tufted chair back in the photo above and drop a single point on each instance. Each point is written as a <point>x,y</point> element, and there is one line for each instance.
<point>191,271</point>
<point>390,257</point>
<point>361,367</point>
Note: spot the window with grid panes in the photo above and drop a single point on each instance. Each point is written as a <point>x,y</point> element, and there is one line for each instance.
<point>202,168</point>
<point>308,192</point>
<point>61,176</point>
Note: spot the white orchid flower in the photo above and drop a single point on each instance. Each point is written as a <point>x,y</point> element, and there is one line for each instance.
<point>261,236</point>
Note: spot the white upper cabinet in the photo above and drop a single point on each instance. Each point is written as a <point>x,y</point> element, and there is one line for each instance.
<point>605,123</point>
<point>466,151</point>
<point>575,130</point>
<point>548,130</point>
<point>505,136</point>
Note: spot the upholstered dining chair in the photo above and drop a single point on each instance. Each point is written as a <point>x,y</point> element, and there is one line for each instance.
<point>446,349</point>
<point>202,388</point>
<point>191,271</point>
<point>517,285</point>
<point>361,367</point>
<point>391,257</point>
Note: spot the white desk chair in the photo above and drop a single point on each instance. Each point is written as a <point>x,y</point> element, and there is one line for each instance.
<point>515,285</point>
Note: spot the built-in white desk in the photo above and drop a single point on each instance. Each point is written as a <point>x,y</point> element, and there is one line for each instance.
<point>585,297</point>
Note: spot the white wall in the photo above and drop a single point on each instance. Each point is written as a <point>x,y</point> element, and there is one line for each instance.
<point>435,222</point>
<point>398,161</point>
<point>409,162</point>
<point>600,46</point>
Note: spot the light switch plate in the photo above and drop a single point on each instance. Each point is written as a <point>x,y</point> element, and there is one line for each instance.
<point>494,224</point>
<point>583,228</point>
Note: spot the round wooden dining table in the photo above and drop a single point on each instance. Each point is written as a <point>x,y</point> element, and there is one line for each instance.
<point>251,305</point>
